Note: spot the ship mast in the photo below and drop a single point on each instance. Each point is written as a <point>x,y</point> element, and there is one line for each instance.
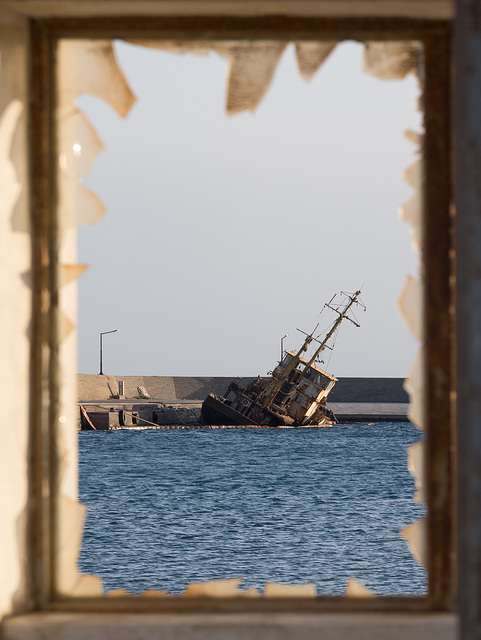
<point>341,315</point>
<point>322,345</point>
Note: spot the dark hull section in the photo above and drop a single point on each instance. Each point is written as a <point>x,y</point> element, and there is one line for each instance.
<point>218,413</point>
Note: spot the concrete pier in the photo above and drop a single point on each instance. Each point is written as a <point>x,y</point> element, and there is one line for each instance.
<point>111,415</point>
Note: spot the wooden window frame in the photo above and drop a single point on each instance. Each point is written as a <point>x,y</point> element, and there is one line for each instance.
<point>437,271</point>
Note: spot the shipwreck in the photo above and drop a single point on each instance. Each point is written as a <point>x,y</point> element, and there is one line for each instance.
<point>296,392</point>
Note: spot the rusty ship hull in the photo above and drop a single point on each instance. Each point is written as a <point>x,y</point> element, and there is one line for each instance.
<point>216,411</point>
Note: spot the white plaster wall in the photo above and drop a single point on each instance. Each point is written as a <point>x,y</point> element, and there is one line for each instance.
<point>15,315</point>
<point>411,8</point>
<point>253,626</point>
<point>15,311</point>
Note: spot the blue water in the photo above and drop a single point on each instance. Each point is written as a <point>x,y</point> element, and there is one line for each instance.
<point>167,507</point>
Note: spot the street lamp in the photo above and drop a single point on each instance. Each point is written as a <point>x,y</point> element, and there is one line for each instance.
<point>102,334</point>
<point>282,344</point>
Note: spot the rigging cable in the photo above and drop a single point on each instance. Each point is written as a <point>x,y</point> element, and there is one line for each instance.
<point>332,348</point>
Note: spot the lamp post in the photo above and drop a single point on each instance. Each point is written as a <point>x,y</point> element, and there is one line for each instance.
<point>282,344</point>
<point>101,373</point>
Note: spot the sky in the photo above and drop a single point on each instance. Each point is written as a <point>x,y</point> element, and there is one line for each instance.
<point>222,234</point>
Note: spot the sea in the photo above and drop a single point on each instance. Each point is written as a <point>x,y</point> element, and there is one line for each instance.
<point>304,505</point>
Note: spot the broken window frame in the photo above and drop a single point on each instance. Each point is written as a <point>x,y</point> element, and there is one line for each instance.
<point>437,270</point>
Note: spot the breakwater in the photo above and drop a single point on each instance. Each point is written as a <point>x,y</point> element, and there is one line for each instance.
<point>113,402</point>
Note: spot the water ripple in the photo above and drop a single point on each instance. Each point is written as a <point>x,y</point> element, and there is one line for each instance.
<point>303,505</point>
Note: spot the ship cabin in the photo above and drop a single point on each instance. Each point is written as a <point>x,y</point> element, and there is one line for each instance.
<point>303,391</point>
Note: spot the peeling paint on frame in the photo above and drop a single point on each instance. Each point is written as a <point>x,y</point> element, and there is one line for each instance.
<point>438,133</point>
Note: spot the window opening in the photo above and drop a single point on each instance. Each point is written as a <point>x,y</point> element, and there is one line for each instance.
<point>138,220</point>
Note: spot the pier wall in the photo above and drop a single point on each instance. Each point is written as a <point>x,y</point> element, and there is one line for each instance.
<point>171,389</point>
